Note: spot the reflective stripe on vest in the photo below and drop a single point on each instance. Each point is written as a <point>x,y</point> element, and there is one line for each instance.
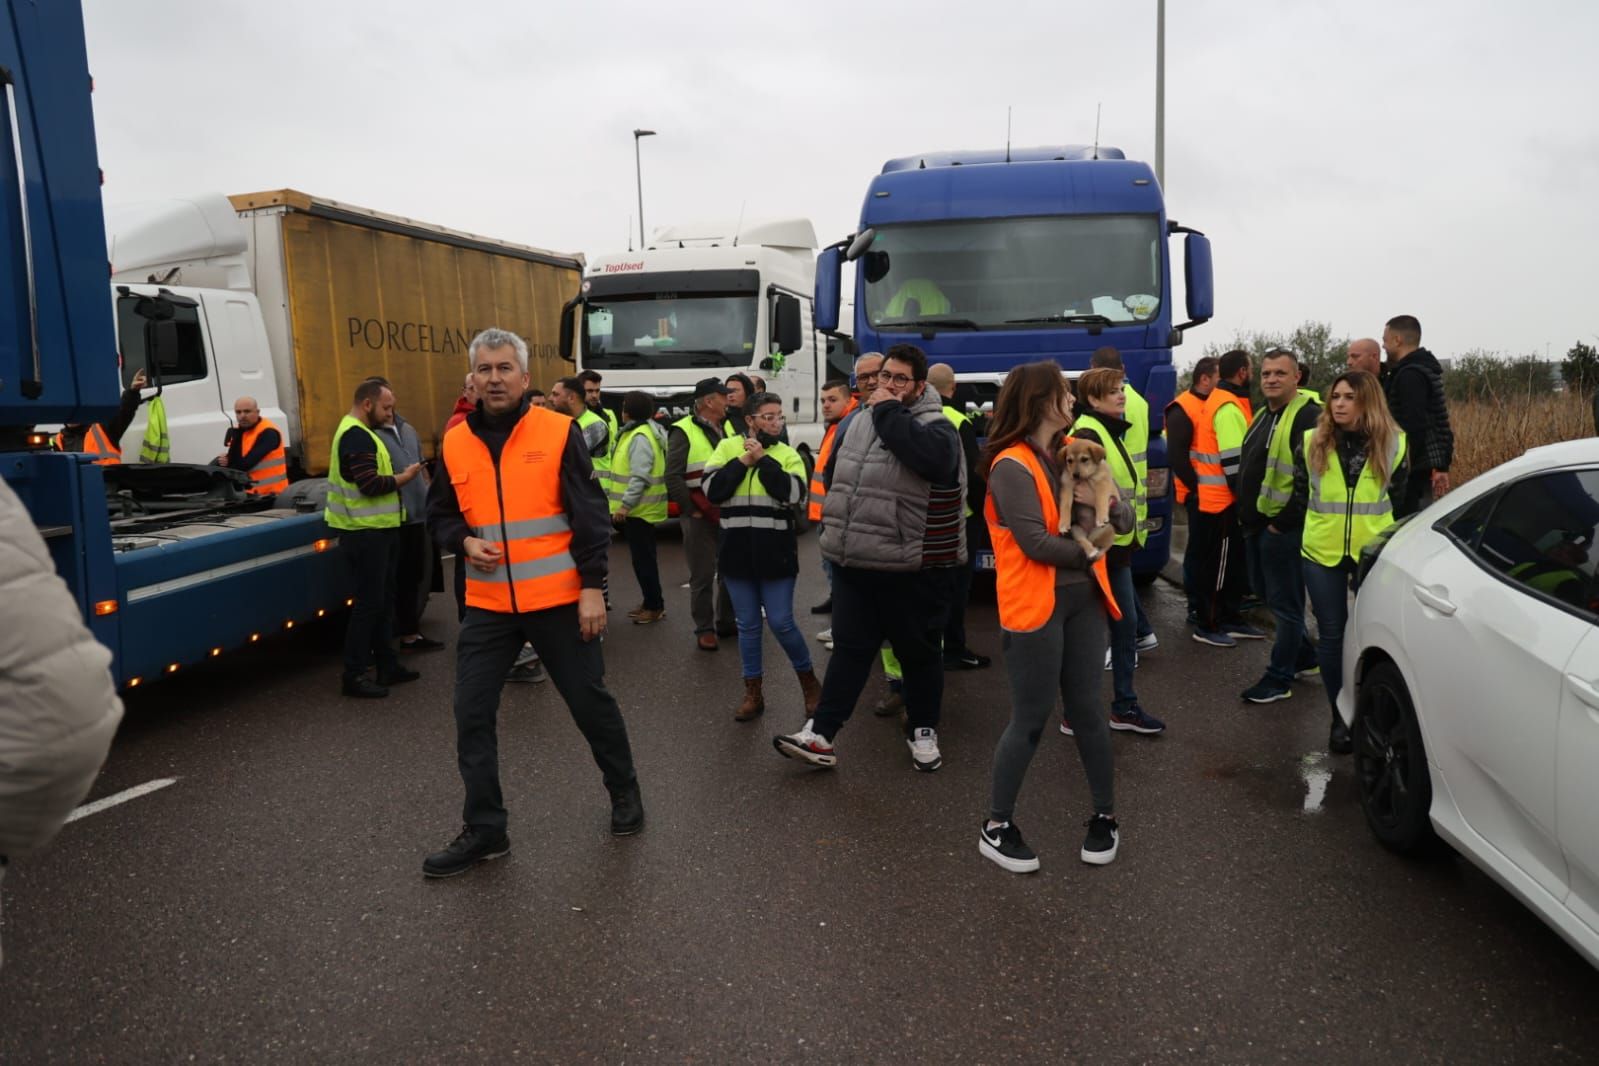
<point>751,506</point>
<point>1121,472</point>
<point>819,490</point>
<point>651,507</point>
<point>1340,521</point>
<point>157,444</point>
<point>1137,442</point>
<point>1278,484</point>
<point>611,429</point>
<point>1025,587</point>
<point>95,442</point>
<point>1193,406</point>
<point>346,507</point>
<point>270,476</point>
<point>537,571</point>
<point>959,419</point>
<point>1207,454</point>
<point>699,450</point>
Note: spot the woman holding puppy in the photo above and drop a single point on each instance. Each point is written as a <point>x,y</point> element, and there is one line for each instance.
<point>1101,405</point>
<point>1050,608</point>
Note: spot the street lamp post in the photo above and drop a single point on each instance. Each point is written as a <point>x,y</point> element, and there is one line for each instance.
<point>1160,94</point>
<point>638,171</point>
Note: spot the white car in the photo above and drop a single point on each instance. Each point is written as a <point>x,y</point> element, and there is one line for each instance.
<point>1471,667</point>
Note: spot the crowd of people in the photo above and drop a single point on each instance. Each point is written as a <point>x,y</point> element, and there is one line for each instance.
<point>529,488</point>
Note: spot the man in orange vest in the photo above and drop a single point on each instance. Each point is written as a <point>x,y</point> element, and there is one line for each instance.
<point>255,445</point>
<point>837,401</point>
<point>516,501</point>
<point>102,441</point>
<point>1221,573</point>
<point>867,366</point>
<point>1181,416</point>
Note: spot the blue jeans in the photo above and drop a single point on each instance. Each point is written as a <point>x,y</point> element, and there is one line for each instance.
<point>1275,567</point>
<point>1123,635</point>
<point>1329,599</point>
<point>776,594</point>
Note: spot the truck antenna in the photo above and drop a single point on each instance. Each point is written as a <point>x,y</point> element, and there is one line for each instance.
<point>1097,109</point>
<point>1007,132</point>
<point>630,232</point>
<point>738,227</point>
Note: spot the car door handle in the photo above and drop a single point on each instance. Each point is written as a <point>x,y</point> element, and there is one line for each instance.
<point>1431,599</point>
<point>1584,691</point>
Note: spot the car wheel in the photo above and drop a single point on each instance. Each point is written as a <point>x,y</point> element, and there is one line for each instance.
<point>1391,763</point>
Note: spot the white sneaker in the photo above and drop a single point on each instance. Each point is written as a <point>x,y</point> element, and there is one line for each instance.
<point>806,745</point>
<point>924,750</point>
<point>1107,660</point>
<point>826,637</point>
<point>1147,642</point>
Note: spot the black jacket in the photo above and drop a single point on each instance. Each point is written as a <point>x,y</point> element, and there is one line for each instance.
<point>1416,400</point>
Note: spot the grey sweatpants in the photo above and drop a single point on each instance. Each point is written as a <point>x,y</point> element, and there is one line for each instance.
<point>1066,657</point>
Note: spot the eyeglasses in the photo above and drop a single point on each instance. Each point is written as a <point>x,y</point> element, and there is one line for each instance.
<point>771,418</point>
<point>899,381</point>
<point>867,375</point>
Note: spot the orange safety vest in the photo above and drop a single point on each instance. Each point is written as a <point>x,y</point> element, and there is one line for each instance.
<point>96,441</point>
<point>271,475</point>
<point>1214,495</point>
<point>537,570</point>
<point>823,454</point>
<point>1193,406</point>
<point>1025,587</point>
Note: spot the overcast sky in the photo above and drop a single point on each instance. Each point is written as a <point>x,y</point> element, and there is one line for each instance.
<point>1350,160</point>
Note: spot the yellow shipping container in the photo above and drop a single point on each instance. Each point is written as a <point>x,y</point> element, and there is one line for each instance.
<point>352,293</point>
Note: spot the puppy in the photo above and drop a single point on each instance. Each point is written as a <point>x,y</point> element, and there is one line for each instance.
<point>1089,526</point>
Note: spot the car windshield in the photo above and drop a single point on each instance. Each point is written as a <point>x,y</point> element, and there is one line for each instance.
<point>1015,273</point>
<point>658,332</point>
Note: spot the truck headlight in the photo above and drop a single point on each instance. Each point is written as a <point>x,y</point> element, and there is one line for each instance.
<point>1159,481</point>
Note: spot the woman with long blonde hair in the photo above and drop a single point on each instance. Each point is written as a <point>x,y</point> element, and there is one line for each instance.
<point>1350,472</point>
<point>1050,610</point>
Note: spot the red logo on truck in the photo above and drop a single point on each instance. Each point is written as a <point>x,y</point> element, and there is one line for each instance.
<point>620,268</point>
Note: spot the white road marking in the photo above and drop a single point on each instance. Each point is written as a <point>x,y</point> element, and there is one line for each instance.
<point>121,797</point>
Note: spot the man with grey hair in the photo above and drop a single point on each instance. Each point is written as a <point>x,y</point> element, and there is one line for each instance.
<point>516,501</point>
<point>1365,355</point>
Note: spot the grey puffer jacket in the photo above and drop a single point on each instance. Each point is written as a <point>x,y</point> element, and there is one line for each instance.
<point>58,705</point>
<point>896,488</point>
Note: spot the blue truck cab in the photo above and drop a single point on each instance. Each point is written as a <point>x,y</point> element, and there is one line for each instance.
<point>990,259</point>
<point>169,563</point>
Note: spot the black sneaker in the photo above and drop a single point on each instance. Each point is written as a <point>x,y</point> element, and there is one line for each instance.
<point>1267,691</point>
<point>627,811</point>
<point>364,688</point>
<point>475,844</point>
<point>1005,846</point>
<point>420,644</point>
<point>532,672</point>
<point>966,659</point>
<point>396,675</point>
<point>1104,835</point>
<point>825,607</point>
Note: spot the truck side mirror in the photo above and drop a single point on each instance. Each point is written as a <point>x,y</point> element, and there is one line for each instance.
<point>568,326</point>
<point>786,323</point>
<point>1198,279</point>
<point>829,272</point>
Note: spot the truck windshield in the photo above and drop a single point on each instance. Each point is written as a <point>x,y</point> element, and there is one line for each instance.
<point>1015,273</point>
<point>669,332</point>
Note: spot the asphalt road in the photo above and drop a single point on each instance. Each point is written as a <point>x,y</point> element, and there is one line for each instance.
<point>269,904</point>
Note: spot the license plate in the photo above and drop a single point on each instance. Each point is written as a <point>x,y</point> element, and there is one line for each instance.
<point>985,560</point>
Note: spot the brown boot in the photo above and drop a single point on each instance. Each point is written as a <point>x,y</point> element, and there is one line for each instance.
<point>811,689</point>
<point>754,703</point>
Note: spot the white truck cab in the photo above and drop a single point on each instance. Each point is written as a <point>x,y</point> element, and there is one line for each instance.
<point>702,301</point>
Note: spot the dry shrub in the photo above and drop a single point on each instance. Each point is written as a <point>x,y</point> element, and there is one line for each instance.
<point>1491,431</point>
